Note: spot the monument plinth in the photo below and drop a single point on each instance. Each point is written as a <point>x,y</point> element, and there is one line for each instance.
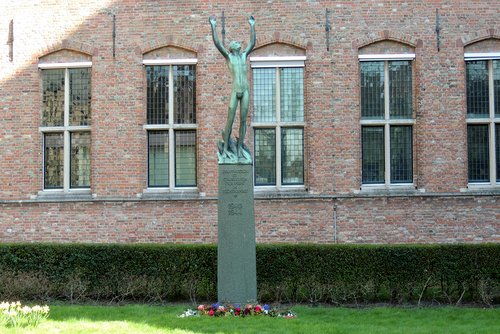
<point>236,268</point>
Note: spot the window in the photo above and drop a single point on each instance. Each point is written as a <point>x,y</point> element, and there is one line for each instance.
<point>66,117</point>
<point>171,123</point>
<point>387,119</point>
<point>483,117</point>
<point>278,120</point>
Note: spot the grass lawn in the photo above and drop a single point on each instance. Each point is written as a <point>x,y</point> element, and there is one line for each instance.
<point>163,319</point>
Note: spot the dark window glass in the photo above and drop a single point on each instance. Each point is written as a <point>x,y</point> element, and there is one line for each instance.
<point>53,97</point>
<point>53,160</point>
<point>157,94</point>
<point>80,159</point>
<point>265,157</point>
<point>185,158</point>
<point>79,96</point>
<point>373,154</point>
<point>158,158</point>
<point>478,153</point>
<point>372,90</point>
<point>292,156</point>
<point>477,89</point>
<point>264,94</point>
<point>400,88</point>
<point>184,94</point>
<point>292,94</point>
<point>496,86</point>
<point>401,154</point>
<point>497,149</point>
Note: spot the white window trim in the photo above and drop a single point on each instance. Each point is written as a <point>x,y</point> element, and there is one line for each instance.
<point>49,66</point>
<point>386,123</point>
<point>481,56</point>
<point>266,62</point>
<point>158,62</point>
<point>492,121</point>
<point>66,130</point>
<point>278,124</point>
<point>384,57</point>
<point>170,127</point>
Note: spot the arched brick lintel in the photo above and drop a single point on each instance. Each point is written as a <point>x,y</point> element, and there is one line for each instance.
<point>385,35</point>
<point>278,37</point>
<point>67,44</point>
<point>478,36</point>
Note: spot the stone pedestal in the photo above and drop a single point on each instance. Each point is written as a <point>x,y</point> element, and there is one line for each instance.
<point>236,267</point>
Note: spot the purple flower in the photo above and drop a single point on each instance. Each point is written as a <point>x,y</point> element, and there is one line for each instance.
<point>266,307</point>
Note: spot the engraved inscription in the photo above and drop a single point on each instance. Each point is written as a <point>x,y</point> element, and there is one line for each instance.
<point>235,209</point>
<point>235,182</point>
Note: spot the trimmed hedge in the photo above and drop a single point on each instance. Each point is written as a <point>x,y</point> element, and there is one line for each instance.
<point>336,274</point>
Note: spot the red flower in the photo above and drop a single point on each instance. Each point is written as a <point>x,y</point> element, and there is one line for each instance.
<point>211,313</point>
<point>258,308</point>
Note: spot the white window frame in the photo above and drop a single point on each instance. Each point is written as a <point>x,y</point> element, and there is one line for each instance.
<point>171,127</point>
<point>491,120</point>
<point>387,122</point>
<point>278,124</point>
<point>66,129</point>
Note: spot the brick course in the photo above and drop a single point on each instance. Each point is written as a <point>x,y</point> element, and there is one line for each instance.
<point>441,209</point>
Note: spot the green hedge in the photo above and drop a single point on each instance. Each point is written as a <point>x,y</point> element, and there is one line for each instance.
<point>337,274</point>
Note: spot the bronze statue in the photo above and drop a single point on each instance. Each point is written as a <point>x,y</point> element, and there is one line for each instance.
<point>237,64</point>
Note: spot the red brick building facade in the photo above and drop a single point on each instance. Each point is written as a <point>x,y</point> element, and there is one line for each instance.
<point>384,130</point>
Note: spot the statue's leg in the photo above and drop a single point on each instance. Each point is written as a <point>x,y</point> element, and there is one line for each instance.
<point>231,113</point>
<point>245,99</point>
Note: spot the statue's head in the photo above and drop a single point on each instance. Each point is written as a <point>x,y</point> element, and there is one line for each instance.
<point>235,46</point>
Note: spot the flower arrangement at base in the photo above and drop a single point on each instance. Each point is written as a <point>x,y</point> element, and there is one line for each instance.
<point>16,315</point>
<point>237,310</point>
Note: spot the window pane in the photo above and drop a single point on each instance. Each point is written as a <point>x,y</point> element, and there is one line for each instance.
<point>496,86</point>
<point>265,157</point>
<point>185,158</point>
<point>53,160</point>
<point>372,90</point>
<point>292,94</point>
<point>80,159</point>
<point>400,87</point>
<point>158,158</point>
<point>264,94</point>
<point>79,96</point>
<point>373,154</point>
<point>401,154</point>
<point>157,94</point>
<point>497,149</point>
<point>478,153</point>
<point>184,94</point>
<point>477,89</point>
<point>53,97</point>
<point>292,156</point>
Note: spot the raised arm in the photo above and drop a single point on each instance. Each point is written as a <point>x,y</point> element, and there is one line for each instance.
<point>251,43</point>
<point>215,37</point>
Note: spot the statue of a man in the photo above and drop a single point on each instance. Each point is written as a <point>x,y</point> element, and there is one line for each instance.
<point>237,64</point>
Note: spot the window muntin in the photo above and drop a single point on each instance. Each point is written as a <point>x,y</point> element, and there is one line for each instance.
<point>66,117</point>
<point>171,116</point>
<point>278,121</point>
<point>483,95</point>
<point>386,122</point>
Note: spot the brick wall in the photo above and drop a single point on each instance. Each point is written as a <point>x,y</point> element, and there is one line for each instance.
<point>442,209</point>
